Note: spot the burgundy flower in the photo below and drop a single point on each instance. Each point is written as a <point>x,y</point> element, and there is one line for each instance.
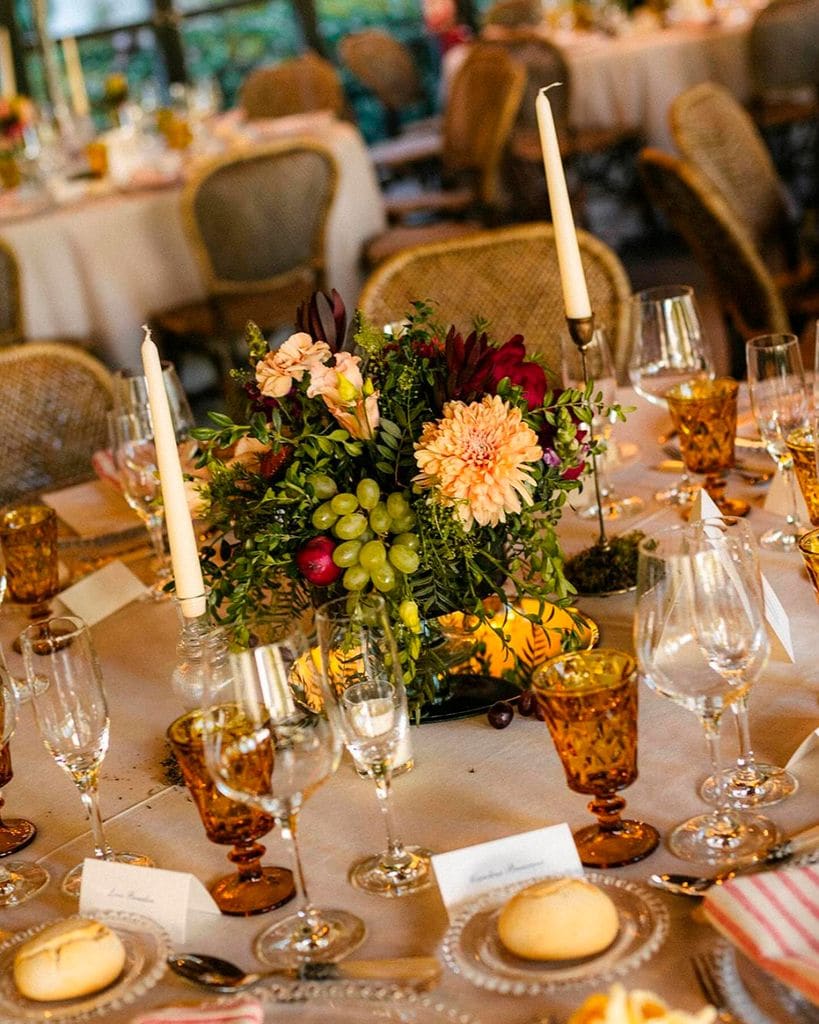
<point>468,363</point>
<point>510,361</point>
<point>324,318</point>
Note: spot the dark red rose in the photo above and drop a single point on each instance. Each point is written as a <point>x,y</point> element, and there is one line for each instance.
<point>315,562</point>
<point>510,361</point>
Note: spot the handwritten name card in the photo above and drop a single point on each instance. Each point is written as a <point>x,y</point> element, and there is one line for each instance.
<point>470,872</point>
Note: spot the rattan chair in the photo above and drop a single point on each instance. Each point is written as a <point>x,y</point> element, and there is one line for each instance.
<point>784,59</point>
<point>591,154</point>
<point>53,403</point>
<point>481,107</point>
<point>256,222</point>
<point>11,307</point>
<point>508,276</point>
<point>750,301</point>
<point>513,13</point>
<point>718,136</point>
<point>386,67</point>
<point>294,86</point>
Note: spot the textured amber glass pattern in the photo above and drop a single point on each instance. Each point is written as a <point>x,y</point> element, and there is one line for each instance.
<point>29,538</point>
<point>802,448</point>
<point>704,413</point>
<point>809,546</point>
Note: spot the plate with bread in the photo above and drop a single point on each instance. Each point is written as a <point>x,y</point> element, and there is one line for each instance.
<point>78,967</point>
<point>553,933</point>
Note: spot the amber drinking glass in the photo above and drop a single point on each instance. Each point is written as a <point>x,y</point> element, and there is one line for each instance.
<point>589,702</point>
<point>704,413</point>
<point>29,538</point>
<point>809,547</point>
<point>254,888</point>
<point>803,449</point>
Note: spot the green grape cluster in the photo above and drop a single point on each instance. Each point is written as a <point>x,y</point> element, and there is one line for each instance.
<point>376,542</point>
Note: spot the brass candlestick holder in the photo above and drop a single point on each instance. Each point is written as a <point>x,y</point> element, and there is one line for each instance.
<point>606,567</point>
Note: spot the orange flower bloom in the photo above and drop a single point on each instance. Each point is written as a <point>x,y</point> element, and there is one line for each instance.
<point>476,457</point>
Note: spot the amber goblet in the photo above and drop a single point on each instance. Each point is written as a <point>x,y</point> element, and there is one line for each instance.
<point>254,888</point>
<point>802,446</point>
<point>29,537</point>
<point>704,413</point>
<point>589,702</point>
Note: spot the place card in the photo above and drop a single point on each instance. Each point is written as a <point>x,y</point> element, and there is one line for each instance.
<point>103,592</point>
<point>475,870</point>
<point>167,897</point>
<point>92,509</point>
<point>704,507</point>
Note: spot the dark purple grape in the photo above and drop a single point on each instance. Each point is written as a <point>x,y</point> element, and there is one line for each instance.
<point>526,703</point>
<point>500,714</point>
<point>539,712</point>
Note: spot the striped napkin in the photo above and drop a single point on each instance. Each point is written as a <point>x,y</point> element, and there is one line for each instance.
<point>246,1010</point>
<point>773,917</point>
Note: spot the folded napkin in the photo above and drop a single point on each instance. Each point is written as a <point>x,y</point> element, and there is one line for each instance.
<point>246,1010</point>
<point>773,917</point>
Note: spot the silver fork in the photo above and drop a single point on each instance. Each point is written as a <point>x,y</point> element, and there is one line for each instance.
<point>704,972</point>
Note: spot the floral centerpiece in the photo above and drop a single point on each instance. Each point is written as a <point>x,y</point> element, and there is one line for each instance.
<point>16,114</point>
<point>423,465</point>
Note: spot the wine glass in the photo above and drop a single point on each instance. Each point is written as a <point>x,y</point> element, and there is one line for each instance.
<point>134,453</point>
<point>667,347</point>
<point>600,369</point>
<point>700,640</point>
<point>779,399</point>
<point>19,880</point>
<point>362,676</point>
<point>749,783</point>
<point>72,716</point>
<point>131,395</point>
<point>270,742</point>
<point>589,702</point>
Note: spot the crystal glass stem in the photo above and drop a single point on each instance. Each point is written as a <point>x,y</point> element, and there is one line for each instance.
<point>792,517</point>
<point>155,522</point>
<point>87,784</point>
<point>396,855</point>
<point>311,929</point>
<point>724,824</point>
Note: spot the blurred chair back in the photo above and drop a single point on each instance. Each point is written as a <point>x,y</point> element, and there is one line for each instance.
<point>300,84</point>
<point>11,310</point>
<point>256,222</point>
<point>481,108</point>
<point>385,66</point>
<point>718,136</point>
<point>508,276</point>
<point>749,298</point>
<point>784,52</point>
<point>514,13</point>
<point>53,403</point>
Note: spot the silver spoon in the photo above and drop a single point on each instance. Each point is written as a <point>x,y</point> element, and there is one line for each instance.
<point>417,972</point>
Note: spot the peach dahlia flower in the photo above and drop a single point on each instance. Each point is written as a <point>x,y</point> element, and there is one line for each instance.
<point>476,458</point>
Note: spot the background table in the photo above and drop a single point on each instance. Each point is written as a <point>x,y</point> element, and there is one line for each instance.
<point>470,784</point>
<point>98,268</point>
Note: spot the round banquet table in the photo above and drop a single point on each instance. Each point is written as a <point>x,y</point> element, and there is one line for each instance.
<point>470,784</point>
<point>97,268</point>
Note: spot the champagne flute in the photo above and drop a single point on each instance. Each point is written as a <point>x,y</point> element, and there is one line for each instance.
<point>19,880</point>
<point>362,676</point>
<point>134,452</point>
<point>779,399</point>
<point>749,783</point>
<point>668,348</point>
<point>269,741</point>
<point>700,640</point>
<point>600,368</point>
<point>71,712</point>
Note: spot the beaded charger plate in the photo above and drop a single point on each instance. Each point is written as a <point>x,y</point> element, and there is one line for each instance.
<point>471,946</point>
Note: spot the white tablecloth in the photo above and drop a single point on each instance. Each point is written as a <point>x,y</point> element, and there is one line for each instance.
<point>98,268</point>
<point>629,81</point>
<point>471,783</point>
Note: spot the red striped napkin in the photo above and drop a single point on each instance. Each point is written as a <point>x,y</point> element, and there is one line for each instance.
<point>240,1011</point>
<point>773,917</point>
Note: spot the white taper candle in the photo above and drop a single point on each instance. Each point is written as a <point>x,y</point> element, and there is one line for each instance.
<point>8,79</point>
<point>181,537</point>
<point>575,293</point>
<point>76,79</point>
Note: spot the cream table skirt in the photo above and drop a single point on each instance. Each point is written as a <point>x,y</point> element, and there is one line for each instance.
<point>470,784</point>
<point>97,269</point>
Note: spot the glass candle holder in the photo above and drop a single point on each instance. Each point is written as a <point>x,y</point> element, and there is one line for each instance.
<point>29,537</point>
<point>589,702</point>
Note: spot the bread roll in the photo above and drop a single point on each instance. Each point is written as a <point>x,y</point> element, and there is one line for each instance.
<point>558,919</point>
<point>68,959</point>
